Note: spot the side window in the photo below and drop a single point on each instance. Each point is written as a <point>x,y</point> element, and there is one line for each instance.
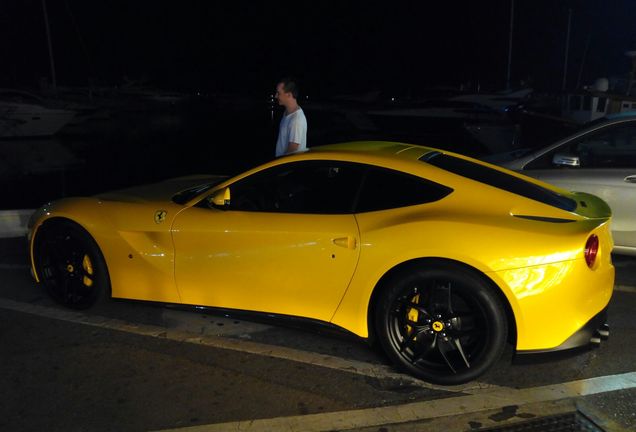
<point>386,189</point>
<point>313,187</point>
<point>619,151</point>
<point>612,148</point>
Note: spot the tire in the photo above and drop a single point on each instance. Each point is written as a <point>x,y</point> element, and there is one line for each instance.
<point>70,265</point>
<point>444,324</point>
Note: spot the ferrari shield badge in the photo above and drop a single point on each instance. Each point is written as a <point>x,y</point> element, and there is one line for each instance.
<point>160,216</point>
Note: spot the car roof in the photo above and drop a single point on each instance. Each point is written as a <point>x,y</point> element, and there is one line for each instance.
<point>383,148</point>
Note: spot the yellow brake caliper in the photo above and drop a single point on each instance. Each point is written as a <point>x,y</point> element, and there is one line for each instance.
<point>413,313</point>
<point>88,268</point>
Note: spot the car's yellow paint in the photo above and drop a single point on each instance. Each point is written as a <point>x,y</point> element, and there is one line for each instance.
<point>139,253</point>
<point>530,248</point>
<point>289,264</point>
<point>327,267</point>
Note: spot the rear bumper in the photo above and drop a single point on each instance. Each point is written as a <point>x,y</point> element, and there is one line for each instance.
<point>589,336</point>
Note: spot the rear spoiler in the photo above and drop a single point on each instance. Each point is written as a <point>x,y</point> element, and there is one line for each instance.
<point>591,206</point>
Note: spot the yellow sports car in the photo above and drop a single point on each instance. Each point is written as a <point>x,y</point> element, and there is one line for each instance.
<point>440,258</point>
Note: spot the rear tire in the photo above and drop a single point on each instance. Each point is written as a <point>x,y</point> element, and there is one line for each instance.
<point>70,265</point>
<point>444,324</point>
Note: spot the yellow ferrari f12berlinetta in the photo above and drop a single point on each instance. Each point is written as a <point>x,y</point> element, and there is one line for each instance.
<point>438,257</point>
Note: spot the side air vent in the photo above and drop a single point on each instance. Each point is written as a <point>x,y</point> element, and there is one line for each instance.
<point>544,219</point>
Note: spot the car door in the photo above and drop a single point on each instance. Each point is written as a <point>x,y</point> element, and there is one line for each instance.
<point>286,242</point>
<point>602,163</point>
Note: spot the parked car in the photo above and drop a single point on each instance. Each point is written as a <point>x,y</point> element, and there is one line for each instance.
<point>599,159</point>
<point>439,257</point>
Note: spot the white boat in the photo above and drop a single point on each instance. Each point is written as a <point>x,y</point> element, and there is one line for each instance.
<point>485,118</point>
<point>498,101</point>
<point>23,114</point>
<point>603,98</point>
<point>596,102</point>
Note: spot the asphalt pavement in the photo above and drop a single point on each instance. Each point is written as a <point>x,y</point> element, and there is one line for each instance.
<point>131,366</point>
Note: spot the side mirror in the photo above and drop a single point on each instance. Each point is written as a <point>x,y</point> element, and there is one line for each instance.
<point>220,198</point>
<point>565,160</point>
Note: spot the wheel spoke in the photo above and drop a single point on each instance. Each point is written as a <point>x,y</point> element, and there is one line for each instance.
<point>440,298</point>
<point>67,291</point>
<point>424,350</point>
<point>470,332</point>
<point>49,270</point>
<point>458,344</point>
<point>466,326</point>
<point>406,343</point>
<point>415,333</point>
<point>58,253</point>
<point>441,347</point>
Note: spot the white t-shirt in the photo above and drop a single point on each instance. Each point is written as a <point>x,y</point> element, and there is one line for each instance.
<point>293,128</point>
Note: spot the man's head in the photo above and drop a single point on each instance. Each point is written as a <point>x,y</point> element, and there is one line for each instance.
<point>286,92</point>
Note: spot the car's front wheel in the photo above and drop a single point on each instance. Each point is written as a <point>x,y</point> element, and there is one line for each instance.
<point>70,265</point>
<point>443,324</point>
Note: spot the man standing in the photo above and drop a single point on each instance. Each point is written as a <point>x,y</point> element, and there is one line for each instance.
<point>292,134</point>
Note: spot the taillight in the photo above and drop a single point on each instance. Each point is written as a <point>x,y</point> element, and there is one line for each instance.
<point>591,250</point>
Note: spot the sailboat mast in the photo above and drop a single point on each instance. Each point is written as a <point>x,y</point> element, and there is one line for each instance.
<point>512,22</point>
<point>567,49</point>
<point>48,39</point>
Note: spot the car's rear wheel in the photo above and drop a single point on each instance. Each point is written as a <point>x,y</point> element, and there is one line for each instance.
<point>70,265</point>
<point>444,324</point>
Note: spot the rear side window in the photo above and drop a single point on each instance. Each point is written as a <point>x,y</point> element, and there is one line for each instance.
<point>386,189</point>
<point>499,179</point>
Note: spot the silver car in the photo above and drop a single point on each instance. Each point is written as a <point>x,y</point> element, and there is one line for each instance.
<point>599,159</point>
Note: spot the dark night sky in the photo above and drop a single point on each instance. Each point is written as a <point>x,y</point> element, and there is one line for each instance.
<point>331,46</point>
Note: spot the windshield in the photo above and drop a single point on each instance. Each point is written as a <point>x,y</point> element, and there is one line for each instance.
<point>186,195</point>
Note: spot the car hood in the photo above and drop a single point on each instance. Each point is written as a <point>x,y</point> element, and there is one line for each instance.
<point>161,191</point>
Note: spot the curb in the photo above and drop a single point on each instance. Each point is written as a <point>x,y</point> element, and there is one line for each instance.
<point>13,223</point>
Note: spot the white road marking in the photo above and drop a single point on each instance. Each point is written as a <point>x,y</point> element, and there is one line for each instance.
<point>475,398</point>
<point>418,411</point>
<point>315,359</point>
<point>625,288</point>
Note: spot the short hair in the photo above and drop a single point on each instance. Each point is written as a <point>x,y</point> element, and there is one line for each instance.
<point>290,86</point>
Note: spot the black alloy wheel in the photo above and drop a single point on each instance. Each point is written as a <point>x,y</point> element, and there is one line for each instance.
<point>70,265</point>
<point>443,324</point>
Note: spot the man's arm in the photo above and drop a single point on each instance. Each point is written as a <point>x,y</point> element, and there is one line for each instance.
<point>292,147</point>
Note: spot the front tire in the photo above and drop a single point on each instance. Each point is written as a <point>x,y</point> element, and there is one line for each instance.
<point>70,265</point>
<point>444,324</point>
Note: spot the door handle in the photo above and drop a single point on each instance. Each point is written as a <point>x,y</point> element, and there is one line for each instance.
<point>630,179</point>
<point>348,242</point>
